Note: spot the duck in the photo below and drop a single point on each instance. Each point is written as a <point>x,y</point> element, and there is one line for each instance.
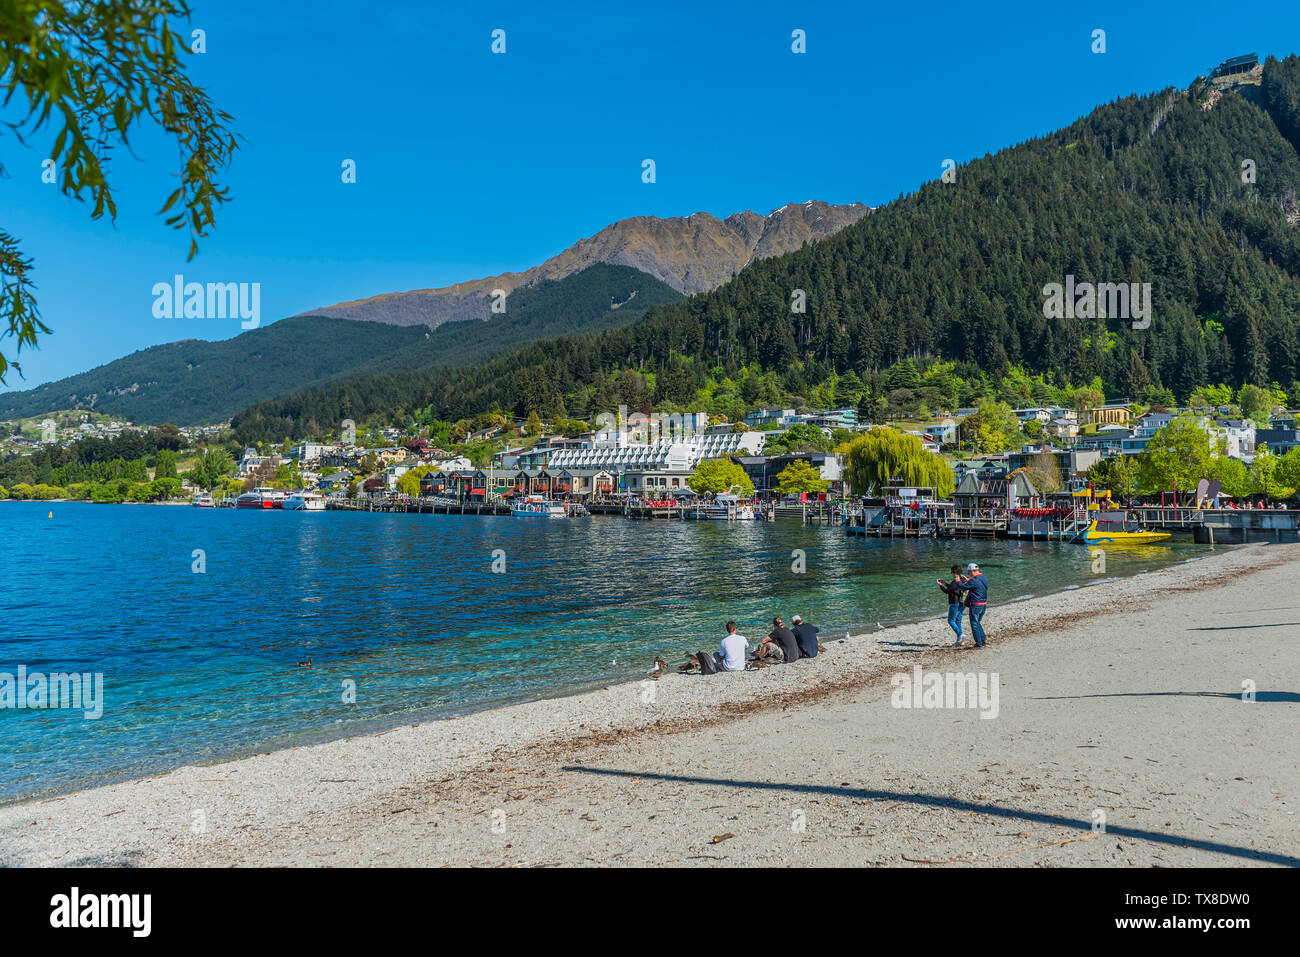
<point>305,664</point>
<point>692,664</point>
<point>658,670</point>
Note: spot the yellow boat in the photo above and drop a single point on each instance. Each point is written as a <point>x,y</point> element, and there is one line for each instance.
<point>1117,531</point>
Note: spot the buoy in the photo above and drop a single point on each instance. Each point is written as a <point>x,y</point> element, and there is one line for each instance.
<point>51,514</point>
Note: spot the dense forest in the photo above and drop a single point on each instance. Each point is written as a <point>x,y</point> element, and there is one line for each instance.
<point>1144,189</point>
<point>196,382</point>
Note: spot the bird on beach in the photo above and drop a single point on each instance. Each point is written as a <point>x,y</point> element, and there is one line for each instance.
<point>692,664</point>
<point>305,664</point>
<point>658,670</point>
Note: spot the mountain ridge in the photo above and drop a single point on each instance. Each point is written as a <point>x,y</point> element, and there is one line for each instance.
<point>695,253</point>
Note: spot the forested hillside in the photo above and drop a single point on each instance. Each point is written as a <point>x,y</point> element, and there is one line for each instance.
<point>195,381</point>
<point>1144,189</point>
<point>597,298</point>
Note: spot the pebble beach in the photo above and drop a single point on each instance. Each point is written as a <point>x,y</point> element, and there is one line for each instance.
<point>1148,721</point>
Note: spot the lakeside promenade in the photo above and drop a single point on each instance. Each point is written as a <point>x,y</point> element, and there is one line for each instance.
<point>1123,698</point>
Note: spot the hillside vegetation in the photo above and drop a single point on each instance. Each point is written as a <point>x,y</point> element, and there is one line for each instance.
<point>1146,189</point>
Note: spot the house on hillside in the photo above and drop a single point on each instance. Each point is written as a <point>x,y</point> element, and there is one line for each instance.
<point>1234,65</point>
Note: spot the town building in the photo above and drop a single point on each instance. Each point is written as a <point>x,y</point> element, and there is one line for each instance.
<point>764,471</point>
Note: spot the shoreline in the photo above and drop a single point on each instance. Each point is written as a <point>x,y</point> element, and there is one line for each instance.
<point>384,724</point>
<point>290,801</point>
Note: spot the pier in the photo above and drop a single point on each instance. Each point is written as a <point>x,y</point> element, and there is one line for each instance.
<point>418,506</point>
<point>1221,526</point>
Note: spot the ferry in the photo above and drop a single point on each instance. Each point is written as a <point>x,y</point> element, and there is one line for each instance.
<point>534,506</point>
<point>261,497</point>
<point>726,507</point>
<point>1115,531</point>
<point>203,501</point>
<point>304,502</point>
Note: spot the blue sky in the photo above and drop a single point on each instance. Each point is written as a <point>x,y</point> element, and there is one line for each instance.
<point>470,163</point>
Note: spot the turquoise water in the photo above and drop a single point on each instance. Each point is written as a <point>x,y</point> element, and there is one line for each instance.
<point>204,666</point>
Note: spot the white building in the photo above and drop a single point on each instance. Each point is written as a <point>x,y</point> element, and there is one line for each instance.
<point>664,455</point>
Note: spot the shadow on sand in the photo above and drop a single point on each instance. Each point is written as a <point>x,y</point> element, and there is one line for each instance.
<point>956,804</point>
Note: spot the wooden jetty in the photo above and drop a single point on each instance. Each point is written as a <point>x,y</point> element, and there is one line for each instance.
<point>418,506</point>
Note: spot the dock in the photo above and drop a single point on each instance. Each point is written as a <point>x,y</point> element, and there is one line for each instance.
<point>1206,526</point>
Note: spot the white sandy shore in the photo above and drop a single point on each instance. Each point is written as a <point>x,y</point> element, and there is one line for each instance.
<point>1123,698</point>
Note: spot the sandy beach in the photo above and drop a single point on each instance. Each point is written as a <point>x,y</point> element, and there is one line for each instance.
<point>1119,704</point>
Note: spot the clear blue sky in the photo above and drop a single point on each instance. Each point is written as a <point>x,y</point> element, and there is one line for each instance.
<point>470,164</point>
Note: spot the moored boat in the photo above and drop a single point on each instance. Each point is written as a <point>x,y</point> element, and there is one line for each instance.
<point>1113,531</point>
<point>726,507</point>
<point>304,501</point>
<point>261,497</point>
<point>534,506</point>
<point>203,501</point>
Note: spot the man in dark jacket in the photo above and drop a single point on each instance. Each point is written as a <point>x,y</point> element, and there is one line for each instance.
<point>806,635</point>
<point>953,590</point>
<point>977,599</point>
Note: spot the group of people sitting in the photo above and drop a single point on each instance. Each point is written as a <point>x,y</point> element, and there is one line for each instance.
<point>783,644</point>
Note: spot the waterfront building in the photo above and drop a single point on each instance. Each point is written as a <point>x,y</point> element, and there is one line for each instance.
<point>664,455</point>
<point>584,483</point>
<point>994,492</point>
<point>657,483</point>
<point>765,470</point>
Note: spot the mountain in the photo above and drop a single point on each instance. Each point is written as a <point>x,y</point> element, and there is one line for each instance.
<point>691,254</point>
<point>1151,189</point>
<point>602,296</point>
<point>195,382</point>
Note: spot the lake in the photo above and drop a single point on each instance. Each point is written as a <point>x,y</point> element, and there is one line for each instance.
<point>198,618</point>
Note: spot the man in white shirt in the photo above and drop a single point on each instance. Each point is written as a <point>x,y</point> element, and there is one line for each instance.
<point>732,651</point>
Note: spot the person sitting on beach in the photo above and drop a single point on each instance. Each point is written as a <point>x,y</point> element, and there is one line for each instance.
<point>977,601</point>
<point>806,635</point>
<point>732,651</point>
<point>780,645</point>
<point>954,593</point>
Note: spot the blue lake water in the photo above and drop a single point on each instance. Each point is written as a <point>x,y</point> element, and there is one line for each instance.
<point>200,666</point>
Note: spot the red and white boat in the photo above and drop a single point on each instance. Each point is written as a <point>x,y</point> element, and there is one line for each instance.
<point>261,498</point>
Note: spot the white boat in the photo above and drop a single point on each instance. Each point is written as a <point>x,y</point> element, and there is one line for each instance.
<point>203,501</point>
<point>304,502</point>
<point>261,497</point>
<point>534,506</point>
<point>726,507</point>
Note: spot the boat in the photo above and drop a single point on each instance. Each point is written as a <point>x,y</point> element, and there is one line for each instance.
<point>203,501</point>
<point>261,497</point>
<point>302,501</point>
<point>534,506</point>
<point>1117,531</point>
<point>726,507</point>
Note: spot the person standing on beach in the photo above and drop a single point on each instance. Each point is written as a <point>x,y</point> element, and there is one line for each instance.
<point>955,597</point>
<point>806,636</point>
<point>978,587</point>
